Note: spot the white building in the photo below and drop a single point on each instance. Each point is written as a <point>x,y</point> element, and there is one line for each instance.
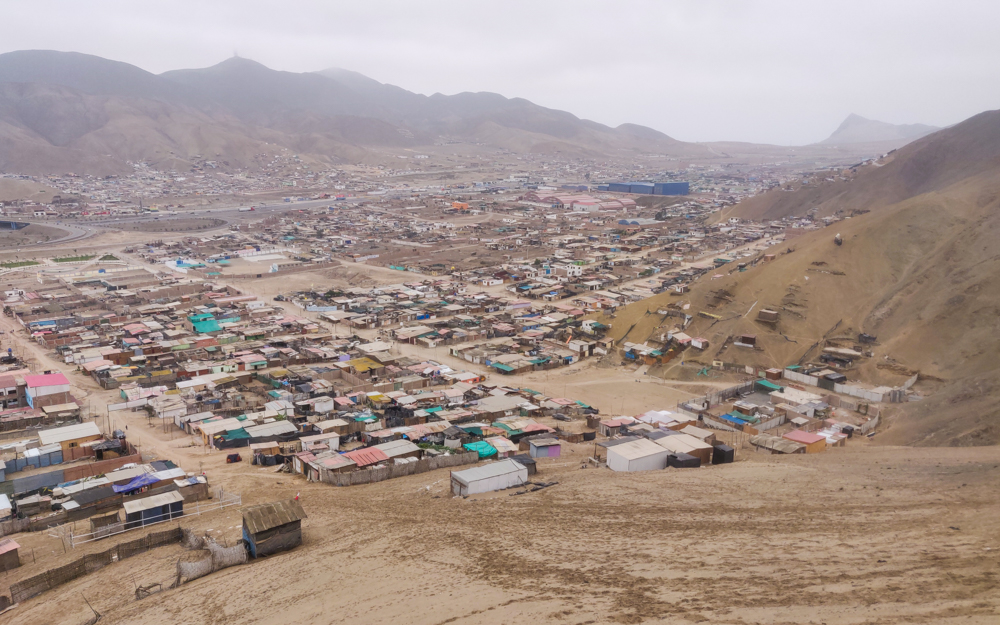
<point>638,455</point>
<point>488,478</point>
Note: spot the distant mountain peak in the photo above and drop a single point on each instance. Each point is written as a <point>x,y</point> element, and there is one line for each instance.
<point>858,129</point>
<point>237,62</point>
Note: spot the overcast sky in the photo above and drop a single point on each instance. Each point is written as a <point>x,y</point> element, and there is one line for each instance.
<point>769,72</point>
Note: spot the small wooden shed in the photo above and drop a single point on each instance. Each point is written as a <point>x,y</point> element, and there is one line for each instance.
<point>9,558</point>
<point>155,509</point>
<point>272,527</point>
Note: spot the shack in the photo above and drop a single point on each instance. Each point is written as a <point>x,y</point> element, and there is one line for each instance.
<point>153,509</point>
<point>272,527</point>
<point>686,444</point>
<point>637,455</point>
<point>70,436</point>
<point>488,478</point>
<point>9,558</point>
<point>814,443</point>
<point>544,448</point>
<point>776,444</point>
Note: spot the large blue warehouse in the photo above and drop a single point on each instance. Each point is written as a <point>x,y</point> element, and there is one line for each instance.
<point>671,188</point>
<point>641,188</point>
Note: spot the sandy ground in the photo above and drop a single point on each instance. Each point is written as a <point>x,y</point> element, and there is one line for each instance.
<point>850,536</point>
<point>34,233</point>
<point>170,224</point>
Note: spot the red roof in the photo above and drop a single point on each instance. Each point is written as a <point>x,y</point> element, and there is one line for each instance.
<point>613,423</point>
<point>537,427</point>
<point>49,379</point>
<point>806,438</point>
<point>8,545</point>
<point>365,457</point>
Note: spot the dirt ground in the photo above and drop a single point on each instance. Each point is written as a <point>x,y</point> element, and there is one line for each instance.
<point>851,536</point>
<point>182,224</point>
<point>34,233</point>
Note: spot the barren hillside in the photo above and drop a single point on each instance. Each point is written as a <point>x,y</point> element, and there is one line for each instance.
<point>934,162</point>
<point>921,271</point>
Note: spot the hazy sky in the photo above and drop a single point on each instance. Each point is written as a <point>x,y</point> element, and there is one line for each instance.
<point>775,72</point>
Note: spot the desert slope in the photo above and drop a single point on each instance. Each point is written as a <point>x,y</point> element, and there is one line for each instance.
<point>922,273</point>
<point>933,162</point>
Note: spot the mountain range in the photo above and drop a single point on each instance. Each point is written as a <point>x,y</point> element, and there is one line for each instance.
<point>67,111</point>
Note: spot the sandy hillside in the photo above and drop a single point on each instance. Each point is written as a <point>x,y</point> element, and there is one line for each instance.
<point>921,274</point>
<point>16,189</point>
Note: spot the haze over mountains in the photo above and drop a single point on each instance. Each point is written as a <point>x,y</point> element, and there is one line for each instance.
<point>857,129</point>
<point>66,111</point>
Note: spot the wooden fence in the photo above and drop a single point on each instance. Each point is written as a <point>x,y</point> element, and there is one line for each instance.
<point>33,586</point>
<point>370,476</point>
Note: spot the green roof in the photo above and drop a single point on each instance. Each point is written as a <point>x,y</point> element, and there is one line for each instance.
<point>501,366</point>
<point>484,449</point>
<point>209,325</point>
<point>235,434</point>
<point>770,385</point>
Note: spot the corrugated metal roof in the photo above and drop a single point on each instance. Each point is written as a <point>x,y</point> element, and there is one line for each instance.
<point>272,429</point>
<point>48,379</point>
<point>485,472</point>
<point>806,438</point>
<point>68,433</point>
<point>8,545</point>
<point>397,448</point>
<point>269,515</point>
<point>636,449</point>
<point>152,502</point>
<point>364,457</point>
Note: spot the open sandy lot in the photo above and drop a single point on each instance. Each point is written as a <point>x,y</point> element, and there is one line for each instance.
<point>851,536</point>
